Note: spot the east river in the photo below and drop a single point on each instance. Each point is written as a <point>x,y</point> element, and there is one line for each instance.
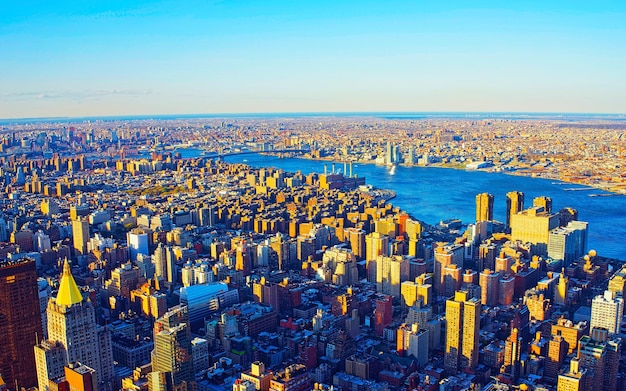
<point>433,194</point>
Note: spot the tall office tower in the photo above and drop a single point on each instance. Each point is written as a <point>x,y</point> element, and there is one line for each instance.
<point>484,207</point>
<point>80,235</point>
<point>383,314</point>
<point>506,289</point>
<point>170,261</point>
<point>543,202</point>
<point>533,226</point>
<point>138,243</point>
<point>487,254</point>
<point>375,244</point>
<point>402,339</point>
<point>390,273</point>
<point>514,204</point>
<point>410,157</point>
<point>389,153</point>
<point>489,285</point>
<point>20,322</point>
<point>445,255</point>
<point>160,262</point>
<point>172,357</point>
<point>607,311</point>
<point>419,344</point>
<point>412,291</point>
<point>463,326</point>
<point>452,279</point>
<point>413,341</point>
<point>560,291</point>
<point>50,358</point>
<point>72,322</point>
<point>356,237</point>
<point>600,353</point>
<point>568,243</point>
<point>576,379</point>
<point>557,350</point>
<point>512,354</point>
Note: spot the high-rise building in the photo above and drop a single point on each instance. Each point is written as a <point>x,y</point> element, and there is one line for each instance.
<point>570,331</point>
<point>576,379</point>
<point>514,204</point>
<point>489,285</point>
<point>506,289</point>
<point>375,244</point>
<point>445,254</point>
<point>50,358</point>
<point>172,357</point>
<point>600,353</point>
<point>389,153</point>
<point>463,326</point>
<point>383,314</point>
<point>356,237</point>
<point>452,279</point>
<point>607,311</point>
<point>557,350</point>
<point>390,273</point>
<point>533,226</point>
<point>80,377</point>
<point>138,243</point>
<point>484,207</point>
<point>512,354</point>
<point>72,323</point>
<point>412,291</point>
<point>568,243</point>
<point>20,322</point>
<point>80,235</point>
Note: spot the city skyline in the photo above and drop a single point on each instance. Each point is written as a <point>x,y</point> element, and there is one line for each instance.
<point>68,59</point>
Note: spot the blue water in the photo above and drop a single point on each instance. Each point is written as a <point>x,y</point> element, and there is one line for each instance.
<point>433,194</point>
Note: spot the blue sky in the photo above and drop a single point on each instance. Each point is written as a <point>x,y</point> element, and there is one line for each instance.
<point>81,58</point>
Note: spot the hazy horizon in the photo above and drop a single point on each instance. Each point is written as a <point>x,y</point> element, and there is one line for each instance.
<point>69,59</point>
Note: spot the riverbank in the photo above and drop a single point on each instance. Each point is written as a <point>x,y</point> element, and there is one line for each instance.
<point>609,187</point>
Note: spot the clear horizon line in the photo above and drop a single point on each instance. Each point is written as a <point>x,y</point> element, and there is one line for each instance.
<point>311,114</point>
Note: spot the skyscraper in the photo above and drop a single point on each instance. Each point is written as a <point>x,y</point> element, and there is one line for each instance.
<point>533,226</point>
<point>514,204</point>
<point>512,354</point>
<point>80,235</point>
<point>390,273</point>
<point>375,244</point>
<point>20,322</point>
<point>463,326</point>
<point>138,243</point>
<point>172,357</point>
<point>568,243</point>
<point>489,286</point>
<point>72,323</point>
<point>484,207</point>
<point>607,311</point>
<point>445,255</point>
<point>557,350</point>
<point>160,262</point>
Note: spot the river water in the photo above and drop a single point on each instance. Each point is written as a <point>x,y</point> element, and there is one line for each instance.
<point>433,194</point>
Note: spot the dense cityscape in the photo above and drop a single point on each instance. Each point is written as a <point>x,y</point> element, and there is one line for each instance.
<point>134,257</point>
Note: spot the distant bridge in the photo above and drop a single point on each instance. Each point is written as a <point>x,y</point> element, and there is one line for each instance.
<point>221,155</point>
